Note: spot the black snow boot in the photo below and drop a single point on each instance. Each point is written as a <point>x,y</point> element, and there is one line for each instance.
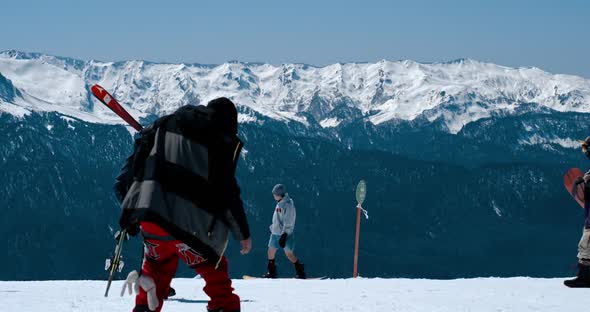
<point>171,293</point>
<point>582,280</point>
<point>272,269</point>
<point>299,270</point>
<point>141,308</point>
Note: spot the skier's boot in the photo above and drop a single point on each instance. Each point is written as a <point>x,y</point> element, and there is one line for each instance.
<point>171,293</point>
<point>582,280</point>
<point>142,308</point>
<point>299,270</point>
<point>272,269</point>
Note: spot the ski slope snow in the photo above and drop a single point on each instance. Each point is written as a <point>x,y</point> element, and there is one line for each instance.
<point>284,295</point>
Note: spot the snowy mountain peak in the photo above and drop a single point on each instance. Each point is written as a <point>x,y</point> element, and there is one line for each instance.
<point>19,54</point>
<point>457,92</point>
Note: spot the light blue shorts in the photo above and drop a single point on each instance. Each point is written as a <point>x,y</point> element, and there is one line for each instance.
<point>273,242</point>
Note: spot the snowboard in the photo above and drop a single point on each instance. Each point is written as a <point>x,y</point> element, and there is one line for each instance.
<point>575,189</point>
<point>249,277</point>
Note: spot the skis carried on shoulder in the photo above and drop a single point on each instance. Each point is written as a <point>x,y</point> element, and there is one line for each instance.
<point>109,101</point>
<point>115,263</point>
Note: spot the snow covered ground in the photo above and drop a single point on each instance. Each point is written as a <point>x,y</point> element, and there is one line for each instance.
<point>366,295</point>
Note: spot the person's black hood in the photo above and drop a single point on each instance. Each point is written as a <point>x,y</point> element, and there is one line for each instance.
<point>225,115</point>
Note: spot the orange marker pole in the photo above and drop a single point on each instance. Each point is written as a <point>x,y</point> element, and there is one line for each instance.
<point>356,241</point>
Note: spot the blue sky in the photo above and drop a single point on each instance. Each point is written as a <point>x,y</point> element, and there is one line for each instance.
<point>552,35</point>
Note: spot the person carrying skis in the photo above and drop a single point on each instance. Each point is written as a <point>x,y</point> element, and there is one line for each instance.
<point>184,200</point>
<point>282,233</point>
<point>583,277</point>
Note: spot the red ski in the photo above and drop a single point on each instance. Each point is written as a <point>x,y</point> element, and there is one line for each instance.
<point>107,99</point>
<point>573,186</point>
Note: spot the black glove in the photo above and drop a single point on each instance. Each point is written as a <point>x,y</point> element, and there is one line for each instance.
<point>283,240</point>
<point>129,222</point>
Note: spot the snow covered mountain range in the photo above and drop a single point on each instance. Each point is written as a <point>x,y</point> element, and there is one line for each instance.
<point>456,93</point>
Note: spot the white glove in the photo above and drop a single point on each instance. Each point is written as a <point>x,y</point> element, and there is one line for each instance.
<point>145,282</point>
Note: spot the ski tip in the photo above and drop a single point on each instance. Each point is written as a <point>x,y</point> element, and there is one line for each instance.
<point>96,88</point>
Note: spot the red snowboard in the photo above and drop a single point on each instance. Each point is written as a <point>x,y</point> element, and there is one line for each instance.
<point>575,189</point>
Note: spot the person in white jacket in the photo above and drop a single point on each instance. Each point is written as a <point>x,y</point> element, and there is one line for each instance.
<point>282,233</point>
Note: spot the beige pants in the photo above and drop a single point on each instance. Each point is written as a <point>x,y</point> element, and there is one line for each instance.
<point>584,248</point>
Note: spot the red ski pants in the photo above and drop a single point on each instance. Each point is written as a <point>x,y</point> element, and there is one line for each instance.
<point>161,261</point>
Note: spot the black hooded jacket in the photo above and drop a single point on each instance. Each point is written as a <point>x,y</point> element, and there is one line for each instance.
<point>181,176</point>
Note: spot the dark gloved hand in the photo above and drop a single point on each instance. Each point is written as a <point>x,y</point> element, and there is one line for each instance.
<point>133,229</point>
<point>283,240</point>
<point>129,223</point>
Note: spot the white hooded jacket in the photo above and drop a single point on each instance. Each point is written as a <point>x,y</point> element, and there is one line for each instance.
<point>283,219</point>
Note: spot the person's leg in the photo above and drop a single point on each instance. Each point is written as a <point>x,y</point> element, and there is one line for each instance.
<point>218,286</point>
<point>291,256</point>
<point>290,248</point>
<point>289,252</point>
<point>161,270</point>
<point>271,253</point>
<point>273,246</point>
<point>583,277</point>
<point>160,263</point>
<point>584,247</point>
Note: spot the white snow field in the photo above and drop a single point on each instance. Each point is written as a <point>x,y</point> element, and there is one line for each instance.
<point>285,295</point>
